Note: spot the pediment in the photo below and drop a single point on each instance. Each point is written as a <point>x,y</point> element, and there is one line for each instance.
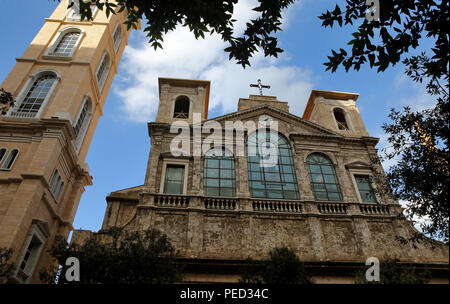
<point>358,165</point>
<point>287,122</point>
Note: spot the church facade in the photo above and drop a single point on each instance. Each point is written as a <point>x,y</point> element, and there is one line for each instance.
<point>221,204</point>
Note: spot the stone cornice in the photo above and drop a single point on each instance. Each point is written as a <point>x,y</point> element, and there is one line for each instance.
<point>48,127</point>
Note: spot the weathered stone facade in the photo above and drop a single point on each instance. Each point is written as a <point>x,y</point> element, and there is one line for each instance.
<point>216,234</point>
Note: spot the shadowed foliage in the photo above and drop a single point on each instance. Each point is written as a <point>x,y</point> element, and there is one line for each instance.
<point>282,267</point>
<point>6,267</point>
<point>117,257</point>
<point>393,272</point>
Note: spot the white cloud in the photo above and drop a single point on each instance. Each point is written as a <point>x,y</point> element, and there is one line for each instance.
<point>418,98</point>
<point>185,57</point>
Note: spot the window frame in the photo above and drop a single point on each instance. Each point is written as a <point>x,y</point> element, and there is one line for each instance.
<point>164,170</point>
<point>174,103</point>
<point>26,88</point>
<point>49,53</point>
<point>281,171</point>
<point>346,116</point>
<point>7,159</point>
<point>70,15</point>
<point>368,173</point>
<point>311,182</point>
<point>118,42</point>
<point>35,232</point>
<point>3,157</point>
<point>86,122</point>
<point>101,83</point>
<point>228,155</point>
<point>56,185</point>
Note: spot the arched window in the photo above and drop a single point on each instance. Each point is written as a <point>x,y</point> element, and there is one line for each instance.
<point>36,96</point>
<point>66,45</point>
<point>74,12</point>
<point>117,36</point>
<point>103,70</point>
<point>219,177</point>
<point>324,182</point>
<point>82,121</point>
<point>181,107</point>
<point>2,154</point>
<point>9,161</point>
<point>339,115</point>
<point>271,175</point>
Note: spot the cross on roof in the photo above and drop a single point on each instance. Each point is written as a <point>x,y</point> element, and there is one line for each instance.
<point>260,86</point>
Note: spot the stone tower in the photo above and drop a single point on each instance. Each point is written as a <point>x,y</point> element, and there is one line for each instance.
<point>336,111</point>
<point>60,85</point>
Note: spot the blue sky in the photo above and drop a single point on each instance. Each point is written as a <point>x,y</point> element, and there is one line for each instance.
<point>119,150</point>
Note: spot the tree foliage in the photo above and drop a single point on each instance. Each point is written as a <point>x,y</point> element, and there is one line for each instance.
<point>418,139</point>
<point>201,17</point>
<point>117,257</point>
<point>6,267</point>
<point>6,101</point>
<point>394,272</point>
<point>282,267</point>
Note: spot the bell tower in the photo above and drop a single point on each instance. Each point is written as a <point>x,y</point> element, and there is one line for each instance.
<point>336,111</point>
<point>179,99</point>
<point>60,85</point>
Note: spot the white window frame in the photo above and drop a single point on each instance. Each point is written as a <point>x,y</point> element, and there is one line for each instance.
<point>26,88</point>
<point>73,16</point>
<point>61,33</point>
<point>102,81</point>
<point>35,233</point>
<point>368,173</point>
<point>119,41</point>
<point>174,162</point>
<point>86,122</point>
<point>7,159</point>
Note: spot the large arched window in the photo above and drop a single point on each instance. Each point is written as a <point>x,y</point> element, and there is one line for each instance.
<point>339,116</point>
<point>181,107</point>
<point>82,121</point>
<point>271,171</point>
<point>36,95</point>
<point>219,178</point>
<point>67,44</point>
<point>324,182</point>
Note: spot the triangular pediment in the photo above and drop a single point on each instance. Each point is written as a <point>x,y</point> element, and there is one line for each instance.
<point>287,121</point>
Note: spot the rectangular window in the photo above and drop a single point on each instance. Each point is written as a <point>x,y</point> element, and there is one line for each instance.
<point>174,179</point>
<point>365,189</point>
<point>29,259</point>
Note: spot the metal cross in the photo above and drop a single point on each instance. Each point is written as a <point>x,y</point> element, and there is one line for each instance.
<point>260,86</point>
